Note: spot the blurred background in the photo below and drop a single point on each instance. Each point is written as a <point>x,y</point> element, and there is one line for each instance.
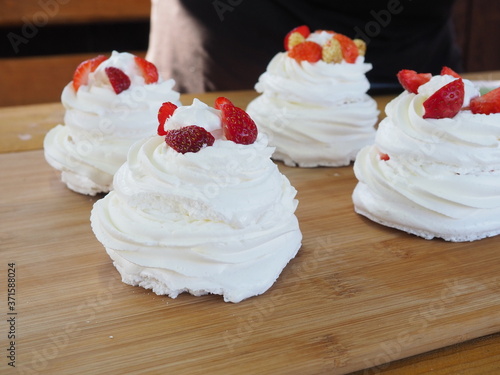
<point>44,40</point>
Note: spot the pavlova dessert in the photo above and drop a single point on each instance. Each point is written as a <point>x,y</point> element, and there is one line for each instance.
<point>314,104</point>
<point>110,103</point>
<point>434,169</point>
<point>200,208</point>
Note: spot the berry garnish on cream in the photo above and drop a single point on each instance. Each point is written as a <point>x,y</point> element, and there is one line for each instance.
<point>325,45</point>
<point>314,104</point>
<point>118,74</point>
<point>111,102</point>
<point>434,168</point>
<point>449,99</point>
<point>191,128</point>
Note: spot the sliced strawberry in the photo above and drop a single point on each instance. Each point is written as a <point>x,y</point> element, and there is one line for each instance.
<point>445,102</point>
<point>148,70</point>
<point>118,79</point>
<point>237,125</point>
<point>166,110</point>
<point>411,80</point>
<point>190,138</point>
<point>449,72</point>
<point>487,103</point>
<point>291,38</point>
<point>222,101</point>
<point>307,51</point>
<point>81,74</point>
<point>349,48</point>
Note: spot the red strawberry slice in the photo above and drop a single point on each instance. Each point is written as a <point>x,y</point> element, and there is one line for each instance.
<point>237,125</point>
<point>222,101</point>
<point>166,110</point>
<point>81,74</point>
<point>190,138</point>
<point>118,79</point>
<point>148,70</point>
<point>450,72</point>
<point>445,102</point>
<point>307,51</point>
<point>303,30</point>
<point>486,104</point>
<point>349,49</point>
<point>411,80</point>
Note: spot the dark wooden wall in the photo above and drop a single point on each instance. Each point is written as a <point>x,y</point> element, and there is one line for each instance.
<point>477,25</point>
<point>37,71</point>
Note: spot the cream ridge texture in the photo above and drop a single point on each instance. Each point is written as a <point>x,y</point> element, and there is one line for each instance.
<point>219,221</point>
<point>315,113</point>
<point>432,177</point>
<point>100,125</point>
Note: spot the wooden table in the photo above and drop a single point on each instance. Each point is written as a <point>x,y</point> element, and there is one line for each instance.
<point>358,298</point>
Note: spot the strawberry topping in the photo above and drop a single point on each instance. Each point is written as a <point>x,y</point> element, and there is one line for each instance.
<point>81,74</point>
<point>487,103</point>
<point>307,51</point>
<point>349,48</point>
<point>450,72</point>
<point>118,79</point>
<point>166,110</point>
<point>296,36</point>
<point>445,102</point>
<point>237,125</point>
<point>383,156</point>
<point>411,80</point>
<point>190,138</point>
<point>222,101</point>
<point>148,70</point>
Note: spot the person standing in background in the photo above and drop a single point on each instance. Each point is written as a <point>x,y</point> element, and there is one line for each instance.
<point>217,45</point>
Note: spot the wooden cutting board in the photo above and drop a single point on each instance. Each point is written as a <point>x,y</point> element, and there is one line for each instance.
<point>357,295</point>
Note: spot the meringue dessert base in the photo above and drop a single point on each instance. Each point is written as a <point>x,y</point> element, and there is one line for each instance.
<point>316,135</point>
<point>195,223</point>
<point>416,220</point>
<point>234,283</point>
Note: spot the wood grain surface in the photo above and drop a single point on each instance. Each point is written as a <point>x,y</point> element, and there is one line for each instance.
<point>359,296</point>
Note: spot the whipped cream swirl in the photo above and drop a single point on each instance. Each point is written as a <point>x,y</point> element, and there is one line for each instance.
<point>316,114</point>
<point>217,221</point>
<point>442,176</point>
<point>99,125</point>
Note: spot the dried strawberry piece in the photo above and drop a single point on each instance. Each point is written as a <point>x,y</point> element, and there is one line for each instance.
<point>118,79</point>
<point>384,156</point>
<point>349,48</point>
<point>307,51</point>
<point>190,138</point>
<point>296,36</point>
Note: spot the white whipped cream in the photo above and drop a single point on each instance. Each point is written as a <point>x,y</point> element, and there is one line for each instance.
<point>315,114</point>
<point>443,175</point>
<point>217,221</point>
<point>99,125</point>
